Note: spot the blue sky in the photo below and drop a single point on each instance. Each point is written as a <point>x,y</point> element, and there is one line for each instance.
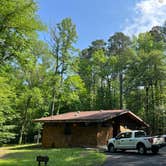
<point>99,19</point>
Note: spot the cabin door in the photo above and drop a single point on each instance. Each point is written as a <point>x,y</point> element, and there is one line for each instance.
<point>116,129</point>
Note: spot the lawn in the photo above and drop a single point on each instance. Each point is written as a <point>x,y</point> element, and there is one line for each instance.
<point>25,155</point>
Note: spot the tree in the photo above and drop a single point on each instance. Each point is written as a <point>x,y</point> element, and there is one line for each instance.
<point>118,44</point>
<point>30,80</point>
<point>18,35</point>
<point>147,78</point>
<point>18,26</point>
<point>63,35</point>
<point>7,97</point>
<point>92,70</point>
<point>74,94</point>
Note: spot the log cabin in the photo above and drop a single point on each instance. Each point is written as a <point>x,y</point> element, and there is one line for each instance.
<point>87,128</point>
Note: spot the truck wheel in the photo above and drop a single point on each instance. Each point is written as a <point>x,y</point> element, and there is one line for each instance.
<point>155,150</point>
<point>141,149</point>
<point>111,148</point>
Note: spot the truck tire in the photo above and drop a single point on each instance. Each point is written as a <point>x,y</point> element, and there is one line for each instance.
<point>155,150</point>
<point>141,149</point>
<point>111,148</point>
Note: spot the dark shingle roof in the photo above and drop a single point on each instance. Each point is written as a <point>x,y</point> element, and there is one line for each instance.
<point>88,116</point>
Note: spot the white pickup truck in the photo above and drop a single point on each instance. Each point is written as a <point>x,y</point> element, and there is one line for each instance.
<point>133,140</point>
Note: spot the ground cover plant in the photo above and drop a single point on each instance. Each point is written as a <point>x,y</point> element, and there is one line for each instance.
<point>25,155</point>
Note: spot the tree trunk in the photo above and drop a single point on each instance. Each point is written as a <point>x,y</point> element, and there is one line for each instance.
<point>153,110</point>
<point>38,136</point>
<point>21,135</point>
<point>25,120</point>
<point>121,90</point>
<point>109,94</point>
<point>53,105</point>
<point>147,103</point>
<point>58,109</point>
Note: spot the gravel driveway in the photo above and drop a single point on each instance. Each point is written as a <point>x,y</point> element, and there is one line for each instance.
<point>132,158</point>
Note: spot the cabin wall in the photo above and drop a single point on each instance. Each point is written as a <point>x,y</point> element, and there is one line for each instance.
<point>80,136</point>
<point>103,134</point>
<point>85,134</point>
<point>53,136</point>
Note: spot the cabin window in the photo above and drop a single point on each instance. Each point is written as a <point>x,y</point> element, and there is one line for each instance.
<point>67,129</point>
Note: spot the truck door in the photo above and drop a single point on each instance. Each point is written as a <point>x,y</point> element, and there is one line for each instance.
<point>120,140</point>
<point>128,142</point>
<point>124,140</point>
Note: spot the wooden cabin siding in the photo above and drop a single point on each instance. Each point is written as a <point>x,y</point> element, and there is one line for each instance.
<point>53,136</point>
<point>103,134</point>
<point>86,134</point>
<point>81,136</point>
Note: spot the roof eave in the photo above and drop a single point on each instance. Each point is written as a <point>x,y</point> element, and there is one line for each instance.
<point>138,118</point>
<point>69,121</point>
<point>92,120</point>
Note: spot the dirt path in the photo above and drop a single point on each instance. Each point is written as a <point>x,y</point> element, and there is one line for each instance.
<point>3,152</point>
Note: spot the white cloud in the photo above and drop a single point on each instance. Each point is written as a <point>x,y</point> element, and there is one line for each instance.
<point>148,13</point>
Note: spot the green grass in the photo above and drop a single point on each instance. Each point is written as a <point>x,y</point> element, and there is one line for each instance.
<point>26,156</point>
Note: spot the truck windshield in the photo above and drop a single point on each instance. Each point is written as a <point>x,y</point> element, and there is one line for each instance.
<point>140,134</point>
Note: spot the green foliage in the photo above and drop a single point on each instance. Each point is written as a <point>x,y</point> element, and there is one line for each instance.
<point>18,26</point>
<point>127,74</point>
<point>7,96</point>
<point>63,35</point>
<point>147,80</point>
<point>18,38</point>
